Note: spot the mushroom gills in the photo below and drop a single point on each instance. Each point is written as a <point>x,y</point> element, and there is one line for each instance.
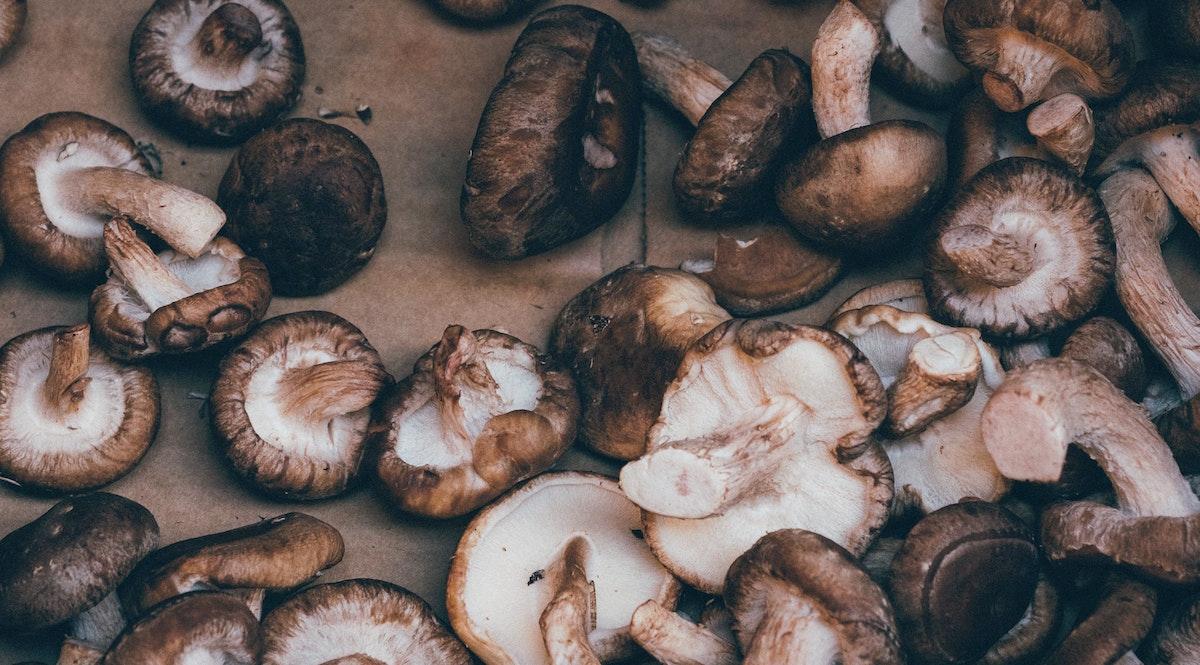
<point>916,27</point>
<point>61,173</point>
<point>223,50</point>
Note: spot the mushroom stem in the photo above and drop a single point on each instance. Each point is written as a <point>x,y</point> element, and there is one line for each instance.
<point>354,659</point>
<point>1064,127</point>
<point>999,260</point>
<point>1024,67</point>
<point>457,370</point>
<point>92,632</point>
<point>673,640</point>
<point>137,265</point>
<point>186,220</point>
<point>670,73</point>
<point>67,381</point>
<point>1171,154</point>
<point>791,633</point>
<point>570,616</point>
<point>320,392</point>
<point>938,378</point>
<point>226,37</point>
<point>842,56</point>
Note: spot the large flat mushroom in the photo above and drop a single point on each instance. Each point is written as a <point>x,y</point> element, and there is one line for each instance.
<point>197,627</point>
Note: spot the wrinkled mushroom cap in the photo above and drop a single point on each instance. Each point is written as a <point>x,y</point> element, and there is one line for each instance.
<point>1161,92</point>
<point>203,626</point>
<point>914,60</point>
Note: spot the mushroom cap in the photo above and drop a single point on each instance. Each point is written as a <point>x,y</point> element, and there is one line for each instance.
<point>556,150</point>
<point>622,338</point>
<point>174,87</point>
<point>70,558</point>
<point>306,198</point>
<point>724,174</point>
<point>496,591</point>
<point>1161,92</point>
<point>857,190</point>
<point>1109,347</point>
<point>1176,25</point>
<point>1055,213</point>
<point>1119,622</point>
<point>276,554</point>
<point>202,626</point>
<point>821,577</point>
<point>107,435</point>
<point>482,11</point>
<point>915,61</point>
<point>280,454</point>
<point>1176,639</point>
<point>510,428</point>
<point>12,19</point>
<point>358,618</point>
<point>62,244</point>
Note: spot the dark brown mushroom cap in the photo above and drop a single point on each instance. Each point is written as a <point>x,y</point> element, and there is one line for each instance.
<point>290,458</point>
<point>1119,622</point>
<point>12,19</point>
<point>964,576</point>
<point>70,558</point>
<point>724,172</point>
<point>275,554</point>
<point>899,72</point>
<point>810,566</point>
<point>858,190</point>
<point>1176,639</point>
<point>367,619</point>
<point>1109,347</point>
<point>114,427</point>
<point>556,150</point>
<point>1161,92</point>
<point>203,624</point>
<point>305,197</point>
<point>1176,25</point>
<point>482,11</point>
<point>164,59</point>
<point>1033,632</point>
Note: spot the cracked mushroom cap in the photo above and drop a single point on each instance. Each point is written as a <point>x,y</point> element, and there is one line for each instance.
<point>12,19</point>
<point>622,338</point>
<point>71,417</point>
<point>915,60</point>
<point>799,598</point>
<point>1161,92</point>
<point>538,180</point>
<point>358,621</point>
<point>515,563</point>
<point>1120,620</point>
<point>291,404</point>
<point>481,412</point>
<point>1031,50</point>
<point>200,627</point>
<point>1176,639</point>
<point>70,558</point>
<point>766,426</point>
<point>216,70</point>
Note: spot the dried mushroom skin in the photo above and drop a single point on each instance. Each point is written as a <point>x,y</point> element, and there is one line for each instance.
<point>481,412</point>
<point>216,70</point>
<point>915,60</point>
<point>556,150</point>
<point>12,19</point>
<point>291,404</point>
<point>202,626</point>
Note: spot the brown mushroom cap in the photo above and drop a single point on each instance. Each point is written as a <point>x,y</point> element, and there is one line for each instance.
<point>291,404</point>
<point>305,197</point>
<point>1119,622</point>
<point>207,626</point>
<point>70,558</point>
<point>12,19</point>
<point>1109,347</point>
<point>1176,639</point>
<point>556,150</point>
<point>216,70</point>
<point>1176,25</point>
<point>915,61</point>
<point>360,618</point>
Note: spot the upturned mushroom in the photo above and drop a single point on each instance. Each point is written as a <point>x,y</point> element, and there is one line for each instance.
<point>1176,638</point>
<point>915,61</point>
<point>201,626</point>
<point>12,19</point>
<point>1120,620</point>
<point>481,412</point>
<point>291,404</point>
<point>172,303</point>
<point>672,639</point>
<point>482,11</point>
<point>765,427</point>
<point>216,70</point>
<point>71,417</point>
<point>65,174</point>
<point>537,180</point>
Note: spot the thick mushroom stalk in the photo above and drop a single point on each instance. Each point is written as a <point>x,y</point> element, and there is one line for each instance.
<point>140,268</point>
<point>673,640</point>
<point>938,378</point>
<point>1023,69</point>
<point>996,259</point>
<point>842,56</point>
<point>1065,128</point>
<point>1172,154</point>
<point>669,72</point>
<point>226,38</point>
<point>67,381</point>
<point>570,616</point>
<point>319,392</point>
<point>459,375</point>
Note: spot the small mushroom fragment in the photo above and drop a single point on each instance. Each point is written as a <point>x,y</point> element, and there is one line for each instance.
<point>798,598</point>
<point>276,554</point>
<point>1023,249</point>
<point>482,11</point>
<point>171,303</point>
<point>552,573</point>
<point>1176,25</point>
<point>291,404</point>
<point>12,19</point>
<point>216,70</point>
<point>201,627</point>
<point>1176,639</point>
<point>674,640</point>
<point>1106,345</point>
<point>1064,127</point>
<point>1119,622</point>
<point>766,426</point>
<point>915,61</point>
<point>65,174</point>
<point>622,338</point>
<point>1031,50</point>
<point>906,295</point>
<point>66,561</point>
<point>481,412</point>
<point>72,418</point>
<point>538,180</point>
<point>307,199</point>
<point>358,621</point>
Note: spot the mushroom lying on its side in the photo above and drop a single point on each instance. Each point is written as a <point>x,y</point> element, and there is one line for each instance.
<point>200,627</point>
<point>12,19</point>
<point>1106,345</point>
<point>906,295</point>
<point>915,61</point>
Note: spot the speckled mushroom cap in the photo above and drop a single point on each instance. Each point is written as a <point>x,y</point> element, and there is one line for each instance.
<point>216,70</point>
<point>202,626</point>
<point>291,404</point>
<point>1161,92</point>
<point>12,19</point>
<point>482,11</point>
<point>914,60</point>
<point>358,621</point>
<point>70,558</point>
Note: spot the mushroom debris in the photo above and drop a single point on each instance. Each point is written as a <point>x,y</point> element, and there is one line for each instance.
<point>552,573</point>
<point>216,70</point>
<point>765,427</point>
<point>481,412</point>
<point>71,417</point>
<point>914,59</point>
<point>291,404</point>
<point>12,19</point>
<point>201,626</point>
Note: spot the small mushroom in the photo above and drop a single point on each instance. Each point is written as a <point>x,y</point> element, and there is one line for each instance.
<point>1176,25</point>
<point>71,417</point>
<point>358,621</point>
<point>906,295</point>
<point>798,598</point>
<point>1032,50</point>
<point>1119,622</point>
<point>200,627</point>
<point>12,19</point>
<point>1106,345</point>
<point>171,303</point>
<point>672,639</point>
<point>915,61</point>
<point>482,11</point>
<point>552,573</point>
<point>65,174</point>
<point>291,404</point>
<point>538,180</point>
<point>1176,638</point>
<point>216,70</point>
